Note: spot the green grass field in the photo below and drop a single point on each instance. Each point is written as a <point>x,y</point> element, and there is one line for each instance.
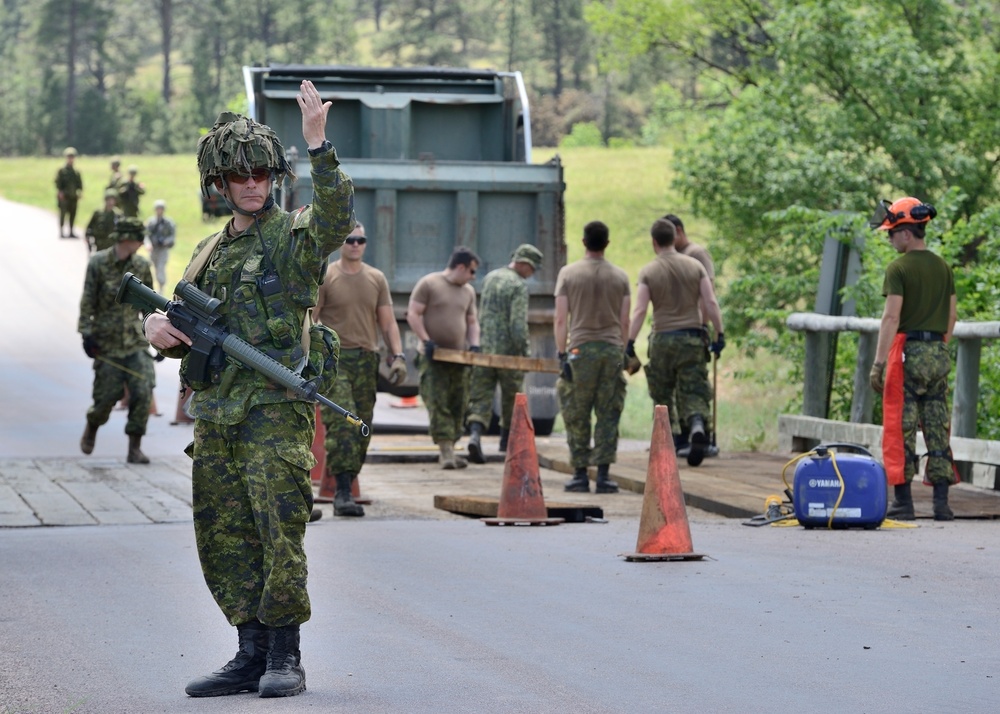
<point>625,188</point>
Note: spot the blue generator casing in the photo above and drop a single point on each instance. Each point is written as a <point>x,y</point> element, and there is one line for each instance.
<point>816,489</point>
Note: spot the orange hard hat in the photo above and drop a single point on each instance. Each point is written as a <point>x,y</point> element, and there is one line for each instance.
<point>901,211</point>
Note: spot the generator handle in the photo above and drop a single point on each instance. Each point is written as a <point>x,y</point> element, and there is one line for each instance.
<point>857,448</point>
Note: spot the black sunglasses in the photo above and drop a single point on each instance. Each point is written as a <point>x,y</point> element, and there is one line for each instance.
<point>359,241</point>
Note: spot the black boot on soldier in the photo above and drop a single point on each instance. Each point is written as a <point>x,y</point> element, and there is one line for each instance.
<point>135,455</point>
<point>579,483</point>
<point>604,482</point>
<point>504,435</point>
<point>243,672</point>
<point>699,440</point>
<point>285,676</point>
<point>474,448</point>
<point>89,438</point>
<point>942,512</point>
<point>901,508</point>
<point>343,500</point>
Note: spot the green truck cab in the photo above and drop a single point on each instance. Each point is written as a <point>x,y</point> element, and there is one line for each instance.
<point>439,158</point>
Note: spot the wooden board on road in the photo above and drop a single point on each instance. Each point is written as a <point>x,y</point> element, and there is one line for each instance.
<point>481,359</point>
<point>480,507</point>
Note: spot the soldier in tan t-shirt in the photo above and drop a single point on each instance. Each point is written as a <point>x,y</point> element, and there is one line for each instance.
<point>442,313</point>
<point>679,288</point>
<point>354,301</point>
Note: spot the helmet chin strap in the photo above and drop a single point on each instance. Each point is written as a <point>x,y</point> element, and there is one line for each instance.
<point>233,207</point>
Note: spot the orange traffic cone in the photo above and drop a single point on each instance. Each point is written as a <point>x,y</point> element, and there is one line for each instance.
<point>405,403</point>
<point>521,500</point>
<point>664,533</point>
<point>180,416</point>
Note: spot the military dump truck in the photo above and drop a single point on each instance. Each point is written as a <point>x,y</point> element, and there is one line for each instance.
<point>439,158</point>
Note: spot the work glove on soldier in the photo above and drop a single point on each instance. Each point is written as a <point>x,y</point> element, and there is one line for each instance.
<point>717,346</point>
<point>877,377</point>
<point>475,348</point>
<point>397,369</point>
<point>429,350</point>
<point>91,347</point>
<point>564,369</point>
<point>632,363</point>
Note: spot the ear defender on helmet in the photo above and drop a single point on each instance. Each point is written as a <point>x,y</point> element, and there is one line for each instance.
<point>902,211</point>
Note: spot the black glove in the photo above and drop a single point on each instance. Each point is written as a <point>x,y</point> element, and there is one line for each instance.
<point>475,348</point>
<point>717,346</point>
<point>91,347</point>
<point>429,350</point>
<point>564,369</point>
<point>630,349</point>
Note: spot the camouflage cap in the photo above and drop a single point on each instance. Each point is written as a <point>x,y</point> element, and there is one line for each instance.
<point>115,161</point>
<point>239,144</point>
<point>527,253</point>
<point>159,203</point>
<point>133,169</point>
<point>69,151</point>
<point>128,228</point>
<point>111,193</point>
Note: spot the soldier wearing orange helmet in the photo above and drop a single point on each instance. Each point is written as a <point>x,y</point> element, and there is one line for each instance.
<point>912,360</point>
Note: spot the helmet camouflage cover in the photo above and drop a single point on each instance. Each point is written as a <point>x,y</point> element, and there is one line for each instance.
<point>239,144</point>
<point>128,228</point>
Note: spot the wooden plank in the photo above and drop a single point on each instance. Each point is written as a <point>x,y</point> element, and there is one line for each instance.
<point>482,507</point>
<point>481,359</point>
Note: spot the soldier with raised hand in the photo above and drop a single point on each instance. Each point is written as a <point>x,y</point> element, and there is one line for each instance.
<point>355,302</point>
<point>69,188</point>
<point>129,192</point>
<point>252,493</point>
<point>591,325</point>
<point>503,320</point>
<point>102,223</point>
<point>112,337</point>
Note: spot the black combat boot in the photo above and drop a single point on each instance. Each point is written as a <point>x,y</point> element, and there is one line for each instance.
<point>89,438</point>
<point>343,501</point>
<point>135,455</point>
<point>699,440</point>
<point>579,483</point>
<point>604,482</point>
<point>243,671</point>
<point>942,512</point>
<point>474,448</point>
<point>682,443</point>
<point>285,676</point>
<point>901,507</point>
<point>504,435</point>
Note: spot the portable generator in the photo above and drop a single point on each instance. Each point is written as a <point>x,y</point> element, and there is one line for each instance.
<point>834,489</point>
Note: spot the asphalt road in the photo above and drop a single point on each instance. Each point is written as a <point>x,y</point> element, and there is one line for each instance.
<point>417,613</point>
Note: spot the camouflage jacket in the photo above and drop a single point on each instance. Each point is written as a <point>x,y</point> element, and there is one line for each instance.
<point>299,244</point>
<point>69,181</point>
<point>116,328</point>
<point>128,197</point>
<point>503,313</point>
<point>100,227</point>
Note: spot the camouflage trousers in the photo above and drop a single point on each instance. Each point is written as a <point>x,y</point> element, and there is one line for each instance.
<point>678,377</point>
<point>598,386</point>
<point>67,211</point>
<point>354,390</point>
<point>110,380</point>
<point>483,384</point>
<point>252,497</point>
<point>444,388</point>
<point>925,388</point>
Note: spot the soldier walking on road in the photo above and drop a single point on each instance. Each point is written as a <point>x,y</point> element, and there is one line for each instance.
<point>503,317</point>
<point>912,360</point>
<point>591,325</point>
<point>676,284</point>
<point>112,337</point>
<point>102,223</point>
<point>69,188</point>
<point>252,494</point>
<point>354,301</point>
<point>161,233</point>
<point>442,313</point>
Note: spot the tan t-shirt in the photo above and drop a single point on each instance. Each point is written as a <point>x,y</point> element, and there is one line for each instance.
<point>347,304</point>
<point>595,290</point>
<point>449,308</point>
<point>700,253</point>
<point>674,283</point>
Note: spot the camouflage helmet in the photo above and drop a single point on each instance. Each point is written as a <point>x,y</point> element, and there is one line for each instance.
<point>128,228</point>
<point>527,253</point>
<point>69,151</point>
<point>239,144</point>
<point>111,193</point>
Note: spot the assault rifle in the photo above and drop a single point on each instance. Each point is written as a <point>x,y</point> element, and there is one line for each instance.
<point>196,315</point>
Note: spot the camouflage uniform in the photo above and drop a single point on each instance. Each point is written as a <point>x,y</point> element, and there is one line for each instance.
<point>252,456</point>
<point>354,389</point>
<point>677,371</point>
<point>503,319</point>
<point>161,233</point>
<point>129,192</point>
<point>598,384</point>
<point>101,225</point>
<point>117,330</point>
<point>925,384</point>
<point>69,184</point>
<point>444,387</point>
